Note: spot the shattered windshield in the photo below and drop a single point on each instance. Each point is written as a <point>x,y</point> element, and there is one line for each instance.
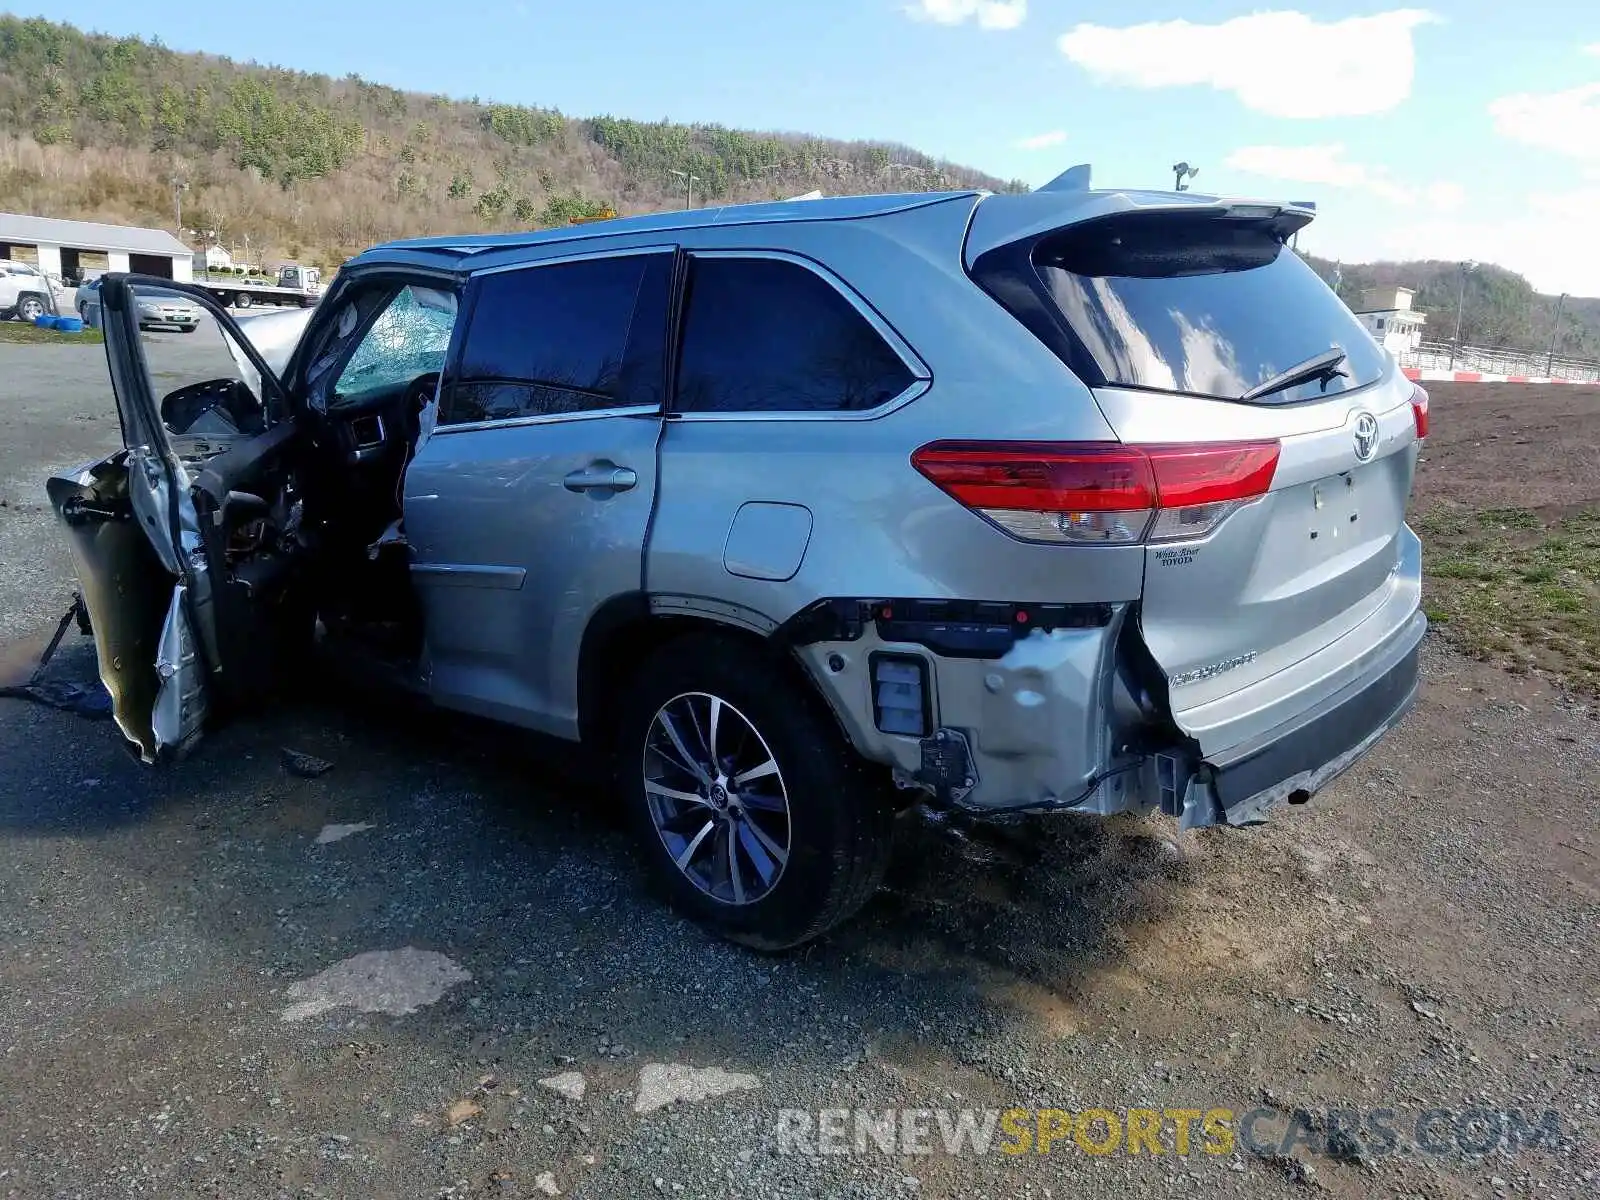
<point>409,338</point>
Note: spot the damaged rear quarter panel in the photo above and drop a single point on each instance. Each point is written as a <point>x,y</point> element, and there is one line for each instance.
<point>1042,720</point>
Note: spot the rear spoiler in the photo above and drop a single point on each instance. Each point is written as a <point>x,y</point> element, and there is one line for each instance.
<point>1003,219</point>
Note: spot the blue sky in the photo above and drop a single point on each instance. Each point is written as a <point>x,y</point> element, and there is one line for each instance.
<point>1458,129</point>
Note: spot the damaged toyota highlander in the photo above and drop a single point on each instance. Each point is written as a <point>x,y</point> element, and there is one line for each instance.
<point>800,514</point>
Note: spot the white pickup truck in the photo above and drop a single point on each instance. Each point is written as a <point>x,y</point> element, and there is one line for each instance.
<point>24,292</point>
<point>296,286</point>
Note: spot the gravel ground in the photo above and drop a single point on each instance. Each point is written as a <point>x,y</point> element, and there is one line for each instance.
<point>225,979</point>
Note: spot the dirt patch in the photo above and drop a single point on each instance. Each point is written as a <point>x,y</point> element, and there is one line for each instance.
<point>1510,446</point>
<point>1507,502</point>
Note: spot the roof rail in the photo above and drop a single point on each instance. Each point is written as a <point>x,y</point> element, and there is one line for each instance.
<point>1073,179</point>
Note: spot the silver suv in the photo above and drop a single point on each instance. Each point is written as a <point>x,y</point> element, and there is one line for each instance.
<point>800,513</point>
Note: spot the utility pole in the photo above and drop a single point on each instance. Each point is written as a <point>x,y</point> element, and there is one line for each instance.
<point>688,187</point>
<point>1461,303</point>
<point>179,187</point>
<point>1555,332</point>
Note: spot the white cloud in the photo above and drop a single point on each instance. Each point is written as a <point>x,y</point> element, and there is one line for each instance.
<point>1043,141</point>
<point>1285,64</point>
<point>990,14</point>
<point>1327,165</point>
<point>1566,122</point>
<point>1593,48</point>
<point>1566,206</point>
<point>1445,197</point>
<point>1550,243</point>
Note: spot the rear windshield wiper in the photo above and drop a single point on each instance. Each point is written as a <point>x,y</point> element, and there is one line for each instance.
<point>1324,366</point>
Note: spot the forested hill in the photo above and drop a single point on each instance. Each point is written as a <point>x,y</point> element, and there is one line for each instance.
<point>287,165</point>
<point>1501,308</point>
<point>316,168</point>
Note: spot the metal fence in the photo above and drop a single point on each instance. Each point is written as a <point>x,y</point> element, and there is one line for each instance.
<point>1435,356</point>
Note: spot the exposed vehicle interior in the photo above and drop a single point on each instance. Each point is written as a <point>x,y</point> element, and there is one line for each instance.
<point>298,497</point>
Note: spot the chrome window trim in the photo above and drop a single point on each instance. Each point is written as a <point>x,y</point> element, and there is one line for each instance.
<point>921,375</point>
<point>593,414</point>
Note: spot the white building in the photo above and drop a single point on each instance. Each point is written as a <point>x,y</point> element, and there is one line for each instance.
<point>218,259</point>
<point>59,247</point>
<point>1389,317</point>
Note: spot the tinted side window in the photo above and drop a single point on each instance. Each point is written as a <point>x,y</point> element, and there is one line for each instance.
<point>766,335</point>
<point>566,338</point>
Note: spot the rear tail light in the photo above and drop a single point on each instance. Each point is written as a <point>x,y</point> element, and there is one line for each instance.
<point>1419,411</point>
<point>1101,493</point>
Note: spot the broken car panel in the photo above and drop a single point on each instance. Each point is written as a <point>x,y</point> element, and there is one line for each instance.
<point>994,503</point>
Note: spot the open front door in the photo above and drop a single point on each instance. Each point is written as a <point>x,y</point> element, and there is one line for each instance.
<point>150,526</point>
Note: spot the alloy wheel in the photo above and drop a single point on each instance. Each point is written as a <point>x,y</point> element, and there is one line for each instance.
<point>717,798</point>
<point>30,309</point>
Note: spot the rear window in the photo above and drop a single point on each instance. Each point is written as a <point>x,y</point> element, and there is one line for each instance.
<point>1204,305</point>
<point>769,335</point>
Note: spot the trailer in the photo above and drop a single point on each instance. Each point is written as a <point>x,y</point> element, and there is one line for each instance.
<point>296,286</point>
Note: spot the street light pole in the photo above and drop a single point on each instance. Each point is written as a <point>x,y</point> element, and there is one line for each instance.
<point>1461,303</point>
<point>1555,332</point>
<point>688,187</point>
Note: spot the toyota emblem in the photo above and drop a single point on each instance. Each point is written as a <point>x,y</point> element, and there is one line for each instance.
<point>1366,436</point>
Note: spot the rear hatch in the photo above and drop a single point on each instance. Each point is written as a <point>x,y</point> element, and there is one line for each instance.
<point>1280,438</point>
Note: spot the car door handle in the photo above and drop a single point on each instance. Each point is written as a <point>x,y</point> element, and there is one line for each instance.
<point>601,477</point>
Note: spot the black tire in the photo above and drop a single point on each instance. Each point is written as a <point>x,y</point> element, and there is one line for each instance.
<point>29,307</point>
<point>840,821</point>
<point>243,300</point>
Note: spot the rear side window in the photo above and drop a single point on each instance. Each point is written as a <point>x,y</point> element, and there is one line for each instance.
<point>567,338</point>
<point>1198,304</point>
<point>769,335</point>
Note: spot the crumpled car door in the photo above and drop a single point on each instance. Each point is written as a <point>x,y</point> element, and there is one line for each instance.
<point>136,546</point>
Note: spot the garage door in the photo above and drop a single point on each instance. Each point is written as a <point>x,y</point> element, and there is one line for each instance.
<point>151,264</point>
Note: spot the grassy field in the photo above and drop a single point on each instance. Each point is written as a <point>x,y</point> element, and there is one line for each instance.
<point>20,331</point>
<point>1507,503</point>
<point>1517,587</point>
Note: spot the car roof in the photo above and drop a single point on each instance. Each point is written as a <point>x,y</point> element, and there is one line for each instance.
<point>837,208</point>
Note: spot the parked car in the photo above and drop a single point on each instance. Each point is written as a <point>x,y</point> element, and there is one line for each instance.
<point>157,310</point>
<point>799,514</point>
<point>25,293</point>
<point>86,299</point>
